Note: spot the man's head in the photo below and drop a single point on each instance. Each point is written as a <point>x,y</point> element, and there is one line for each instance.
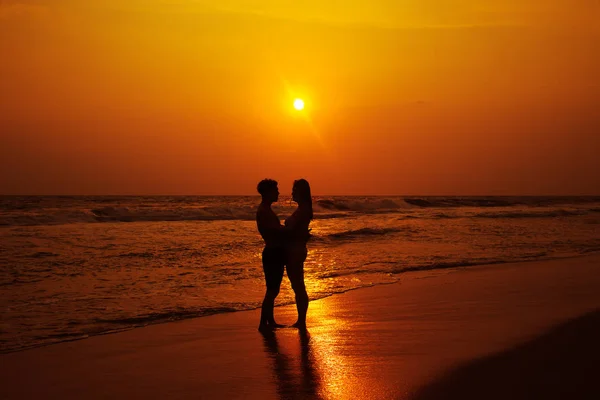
<point>268,190</point>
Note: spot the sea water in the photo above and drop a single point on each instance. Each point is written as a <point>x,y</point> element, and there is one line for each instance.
<point>74,266</point>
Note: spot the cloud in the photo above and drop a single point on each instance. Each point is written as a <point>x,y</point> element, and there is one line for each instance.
<point>404,14</point>
<point>10,9</point>
<point>575,15</point>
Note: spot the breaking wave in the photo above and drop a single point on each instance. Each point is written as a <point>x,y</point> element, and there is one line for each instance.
<point>366,232</point>
<point>493,201</point>
<point>48,210</point>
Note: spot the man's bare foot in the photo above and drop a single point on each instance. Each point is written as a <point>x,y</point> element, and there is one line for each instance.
<point>275,325</point>
<point>299,325</point>
<point>265,328</point>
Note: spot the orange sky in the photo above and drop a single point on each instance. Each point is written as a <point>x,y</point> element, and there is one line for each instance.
<point>403,96</point>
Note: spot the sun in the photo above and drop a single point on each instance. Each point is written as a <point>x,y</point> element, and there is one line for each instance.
<point>299,104</point>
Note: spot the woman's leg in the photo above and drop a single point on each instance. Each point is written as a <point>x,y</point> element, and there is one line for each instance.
<point>295,270</point>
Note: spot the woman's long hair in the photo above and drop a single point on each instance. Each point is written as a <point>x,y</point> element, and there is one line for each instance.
<point>303,194</point>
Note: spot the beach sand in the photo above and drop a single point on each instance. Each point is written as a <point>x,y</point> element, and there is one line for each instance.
<point>523,330</point>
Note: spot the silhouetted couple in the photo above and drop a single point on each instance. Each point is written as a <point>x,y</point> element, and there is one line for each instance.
<point>285,247</point>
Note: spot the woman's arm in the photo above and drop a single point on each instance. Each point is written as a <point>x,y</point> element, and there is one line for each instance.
<point>297,223</point>
<point>292,222</point>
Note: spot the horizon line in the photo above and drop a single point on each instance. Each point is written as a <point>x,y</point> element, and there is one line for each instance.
<point>286,195</point>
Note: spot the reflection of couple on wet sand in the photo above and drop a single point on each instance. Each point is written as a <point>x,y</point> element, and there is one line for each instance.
<point>285,248</point>
<point>293,382</point>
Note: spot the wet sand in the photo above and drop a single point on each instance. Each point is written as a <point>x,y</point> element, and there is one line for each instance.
<point>524,330</point>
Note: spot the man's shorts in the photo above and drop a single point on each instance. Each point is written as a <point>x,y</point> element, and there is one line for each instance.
<point>273,260</point>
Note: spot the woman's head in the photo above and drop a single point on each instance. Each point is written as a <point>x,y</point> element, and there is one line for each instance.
<point>301,195</point>
<point>301,191</point>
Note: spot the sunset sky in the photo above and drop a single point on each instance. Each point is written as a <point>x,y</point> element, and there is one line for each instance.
<point>422,97</point>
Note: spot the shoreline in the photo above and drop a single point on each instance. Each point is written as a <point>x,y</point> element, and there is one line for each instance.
<point>410,270</point>
<point>391,341</point>
<point>406,272</point>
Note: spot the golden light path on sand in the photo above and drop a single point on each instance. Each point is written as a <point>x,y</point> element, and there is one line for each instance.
<point>319,363</point>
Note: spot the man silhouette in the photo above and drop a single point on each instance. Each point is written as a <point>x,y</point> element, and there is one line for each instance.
<point>273,255</point>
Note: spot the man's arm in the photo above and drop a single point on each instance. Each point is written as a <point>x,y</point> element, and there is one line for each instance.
<point>269,222</point>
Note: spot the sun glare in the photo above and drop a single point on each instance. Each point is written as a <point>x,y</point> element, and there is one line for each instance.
<point>299,104</point>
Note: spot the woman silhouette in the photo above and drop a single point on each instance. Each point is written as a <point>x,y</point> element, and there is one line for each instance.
<point>297,226</point>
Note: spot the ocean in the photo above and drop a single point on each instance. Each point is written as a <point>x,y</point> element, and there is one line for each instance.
<point>76,266</point>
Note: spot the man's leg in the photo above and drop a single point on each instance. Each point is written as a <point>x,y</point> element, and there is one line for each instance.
<point>276,275</point>
<point>266,314</point>
<point>273,270</point>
